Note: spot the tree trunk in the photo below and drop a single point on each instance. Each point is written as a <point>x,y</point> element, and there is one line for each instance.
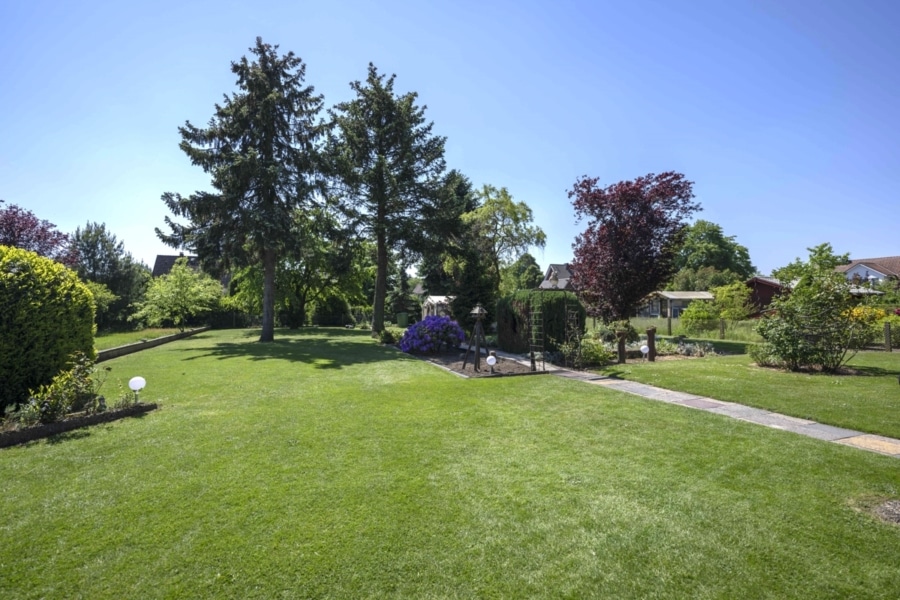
<point>381,263</point>
<point>268,301</point>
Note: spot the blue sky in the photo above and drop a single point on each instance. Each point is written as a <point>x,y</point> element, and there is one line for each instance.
<point>785,114</point>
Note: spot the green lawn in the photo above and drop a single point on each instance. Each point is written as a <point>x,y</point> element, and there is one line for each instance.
<point>868,401</point>
<point>325,466</point>
<point>105,341</point>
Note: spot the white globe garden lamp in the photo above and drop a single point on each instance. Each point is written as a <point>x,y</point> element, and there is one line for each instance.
<point>137,384</point>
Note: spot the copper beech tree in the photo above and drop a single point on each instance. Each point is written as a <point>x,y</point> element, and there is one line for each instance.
<point>634,231</point>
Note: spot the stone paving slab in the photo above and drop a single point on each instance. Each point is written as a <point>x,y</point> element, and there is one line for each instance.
<point>829,433</point>
<point>876,443</point>
<point>702,403</point>
<point>777,421</point>
<point>739,411</point>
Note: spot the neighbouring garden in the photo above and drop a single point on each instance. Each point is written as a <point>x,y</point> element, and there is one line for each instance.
<point>325,465</point>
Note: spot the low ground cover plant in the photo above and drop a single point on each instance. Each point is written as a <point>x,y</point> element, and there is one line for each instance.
<point>432,334</point>
<point>73,390</point>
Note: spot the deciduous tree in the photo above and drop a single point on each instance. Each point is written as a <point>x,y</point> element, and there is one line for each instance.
<point>524,274</point>
<point>180,294</point>
<point>501,228</point>
<point>261,151</point>
<point>20,228</point>
<point>705,245</point>
<point>633,234</point>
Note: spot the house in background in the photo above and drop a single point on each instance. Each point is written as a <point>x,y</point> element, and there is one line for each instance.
<point>762,291</point>
<point>164,263</point>
<point>557,278</point>
<point>669,304</point>
<point>871,271</point>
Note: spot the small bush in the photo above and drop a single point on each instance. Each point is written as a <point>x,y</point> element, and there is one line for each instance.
<point>72,390</point>
<point>594,352</point>
<point>700,316</point>
<point>431,334</point>
<point>764,355</point>
<point>607,332</point>
<point>666,347</point>
<point>390,335</point>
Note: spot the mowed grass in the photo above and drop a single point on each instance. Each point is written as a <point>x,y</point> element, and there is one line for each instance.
<point>325,466</point>
<point>105,341</point>
<point>867,401</point>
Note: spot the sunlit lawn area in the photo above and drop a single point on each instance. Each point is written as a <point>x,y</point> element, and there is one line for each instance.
<point>325,466</point>
<point>104,341</point>
<point>868,401</point>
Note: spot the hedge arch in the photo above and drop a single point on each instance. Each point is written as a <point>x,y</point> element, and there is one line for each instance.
<point>46,314</point>
<point>513,318</point>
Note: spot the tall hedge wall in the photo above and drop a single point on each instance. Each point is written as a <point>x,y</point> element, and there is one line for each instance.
<point>46,314</point>
<point>514,315</point>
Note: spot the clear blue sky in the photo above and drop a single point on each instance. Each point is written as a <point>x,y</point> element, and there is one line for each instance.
<point>785,113</point>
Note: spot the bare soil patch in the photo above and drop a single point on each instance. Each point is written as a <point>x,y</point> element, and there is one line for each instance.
<point>889,511</point>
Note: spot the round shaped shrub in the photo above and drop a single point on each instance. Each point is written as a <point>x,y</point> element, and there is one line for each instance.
<point>430,334</point>
<point>46,315</point>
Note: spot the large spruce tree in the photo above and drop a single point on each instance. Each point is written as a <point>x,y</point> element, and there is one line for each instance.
<point>389,168</point>
<point>261,150</point>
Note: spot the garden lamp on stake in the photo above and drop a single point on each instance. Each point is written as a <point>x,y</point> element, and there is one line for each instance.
<point>136,384</point>
<point>477,337</point>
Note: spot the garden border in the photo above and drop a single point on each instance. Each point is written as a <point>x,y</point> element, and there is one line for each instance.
<point>118,351</point>
<point>30,434</point>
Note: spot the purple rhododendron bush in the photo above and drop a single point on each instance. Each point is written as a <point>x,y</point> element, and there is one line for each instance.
<point>430,334</point>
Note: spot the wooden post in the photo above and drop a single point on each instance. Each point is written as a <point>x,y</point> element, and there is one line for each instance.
<point>651,343</point>
<point>887,336</point>
<point>669,325</point>
<point>721,329</point>
<point>621,337</point>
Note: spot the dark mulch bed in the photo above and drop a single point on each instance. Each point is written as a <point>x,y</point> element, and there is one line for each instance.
<point>22,436</point>
<point>453,361</point>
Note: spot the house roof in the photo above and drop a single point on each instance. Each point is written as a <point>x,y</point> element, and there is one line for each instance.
<point>776,283</point>
<point>164,263</point>
<point>556,278</point>
<point>888,265</point>
<point>684,295</point>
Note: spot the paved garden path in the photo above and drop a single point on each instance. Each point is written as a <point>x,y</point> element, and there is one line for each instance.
<point>847,437</point>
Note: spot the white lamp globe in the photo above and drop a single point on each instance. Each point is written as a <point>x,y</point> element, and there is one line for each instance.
<point>491,361</point>
<point>137,383</point>
<point>645,349</point>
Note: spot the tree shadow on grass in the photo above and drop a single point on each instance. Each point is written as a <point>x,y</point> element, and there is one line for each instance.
<point>322,348</point>
<point>868,371</point>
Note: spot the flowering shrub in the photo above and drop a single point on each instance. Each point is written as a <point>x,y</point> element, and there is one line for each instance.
<point>429,334</point>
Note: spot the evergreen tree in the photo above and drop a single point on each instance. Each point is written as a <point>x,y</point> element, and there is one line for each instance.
<point>102,260</point>
<point>458,198</point>
<point>389,168</point>
<point>261,151</point>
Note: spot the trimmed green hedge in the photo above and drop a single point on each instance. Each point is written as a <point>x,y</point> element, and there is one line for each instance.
<point>514,313</point>
<point>46,315</point>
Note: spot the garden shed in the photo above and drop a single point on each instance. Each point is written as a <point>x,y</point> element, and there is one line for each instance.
<point>436,306</point>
